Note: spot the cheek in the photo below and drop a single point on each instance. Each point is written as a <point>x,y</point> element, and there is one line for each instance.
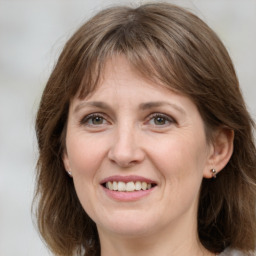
<point>180,154</point>
<point>84,154</point>
<point>181,161</point>
<point>181,165</point>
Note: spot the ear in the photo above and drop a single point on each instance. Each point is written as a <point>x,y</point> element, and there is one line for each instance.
<point>66,161</point>
<point>221,151</point>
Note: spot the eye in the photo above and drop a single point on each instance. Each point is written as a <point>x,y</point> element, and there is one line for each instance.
<point>93,120</point>
<point>96,120</point>
<point>159,119</point>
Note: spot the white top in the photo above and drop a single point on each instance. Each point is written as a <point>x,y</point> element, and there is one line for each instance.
<point>232,252</point>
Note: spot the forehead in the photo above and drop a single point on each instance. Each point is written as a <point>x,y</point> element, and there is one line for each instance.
<point>121,84</point>
<point>116,72</point>
<point>115,64</point>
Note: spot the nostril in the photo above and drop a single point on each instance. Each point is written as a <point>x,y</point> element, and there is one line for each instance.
<point>123,163</point>
<point>126,153</point>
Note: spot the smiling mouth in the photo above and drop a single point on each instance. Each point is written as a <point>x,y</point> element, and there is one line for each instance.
<point>130,186</point>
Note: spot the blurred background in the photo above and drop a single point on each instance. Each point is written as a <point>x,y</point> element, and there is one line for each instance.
<point>32,34</point>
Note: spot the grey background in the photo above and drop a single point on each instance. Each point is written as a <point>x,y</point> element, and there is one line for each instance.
<point>32,34</point>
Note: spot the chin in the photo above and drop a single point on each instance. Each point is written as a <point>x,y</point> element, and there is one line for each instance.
<point>129,231</point>
<point>130,225</point>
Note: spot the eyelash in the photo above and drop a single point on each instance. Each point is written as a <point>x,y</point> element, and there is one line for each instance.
<point>166,118</point>
<point>85,120</point>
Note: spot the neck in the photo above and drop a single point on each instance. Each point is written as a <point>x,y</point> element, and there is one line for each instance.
<point>177,241</point>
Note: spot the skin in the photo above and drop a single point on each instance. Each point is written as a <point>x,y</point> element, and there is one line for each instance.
<point>165,143</point>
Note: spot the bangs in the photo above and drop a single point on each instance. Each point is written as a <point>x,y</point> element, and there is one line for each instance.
<point>164,49</point>
<point>147,58</point>
<point>146,44</point>
<point>170,47</point>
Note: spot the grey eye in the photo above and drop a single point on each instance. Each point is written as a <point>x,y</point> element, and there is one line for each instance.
<point>93,120</point>
<point>97,120</point>
<point>159,120</point>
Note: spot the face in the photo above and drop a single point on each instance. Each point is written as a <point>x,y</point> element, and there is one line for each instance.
<point>137,152</point>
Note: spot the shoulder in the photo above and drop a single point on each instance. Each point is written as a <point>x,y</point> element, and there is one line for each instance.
<point>233,252</point>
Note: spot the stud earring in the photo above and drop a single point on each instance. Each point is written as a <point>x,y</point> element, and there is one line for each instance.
<point>69,173</point>
<point>214,173</point>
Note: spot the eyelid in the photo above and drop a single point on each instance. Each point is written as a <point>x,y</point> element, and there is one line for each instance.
<point>86,118</point>
<point>170,119</point>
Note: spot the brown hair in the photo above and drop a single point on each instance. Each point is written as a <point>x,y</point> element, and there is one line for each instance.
<point>169,46</point>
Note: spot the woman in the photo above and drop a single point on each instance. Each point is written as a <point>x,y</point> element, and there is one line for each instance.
<point>145,143</point>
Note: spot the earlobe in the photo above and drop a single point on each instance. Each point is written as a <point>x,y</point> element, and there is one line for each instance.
<point>66,163</point>
<point>222,146</point>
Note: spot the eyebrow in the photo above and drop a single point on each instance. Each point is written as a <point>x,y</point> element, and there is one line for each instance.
<point>149,105</point>
<point>98,104</point>
<point>142,106</point>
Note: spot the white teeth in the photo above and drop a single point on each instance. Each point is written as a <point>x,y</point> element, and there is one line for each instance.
<point>115,186</point>
<point>129,186</point>
<point>144,185</point>
<point>138,185</point>
<point>109,185</point>
<point>121,186</point>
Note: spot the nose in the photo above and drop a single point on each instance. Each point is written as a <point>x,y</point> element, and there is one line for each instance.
<point>125,150</point>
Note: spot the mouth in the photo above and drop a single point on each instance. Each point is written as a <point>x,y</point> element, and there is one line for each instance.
<point>130,186</point>
<point>128,183</point>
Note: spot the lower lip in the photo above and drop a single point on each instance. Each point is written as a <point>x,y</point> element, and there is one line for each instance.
<point>128,196</point>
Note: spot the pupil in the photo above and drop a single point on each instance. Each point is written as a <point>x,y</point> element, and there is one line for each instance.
<point>97,120</point>
<point>159,120</point>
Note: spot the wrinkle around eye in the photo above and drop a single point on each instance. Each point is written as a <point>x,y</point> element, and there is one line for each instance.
<point>160,120</point>
<point>94,121</point>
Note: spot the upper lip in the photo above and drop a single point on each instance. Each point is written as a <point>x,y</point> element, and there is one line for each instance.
<point>126,179</point>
